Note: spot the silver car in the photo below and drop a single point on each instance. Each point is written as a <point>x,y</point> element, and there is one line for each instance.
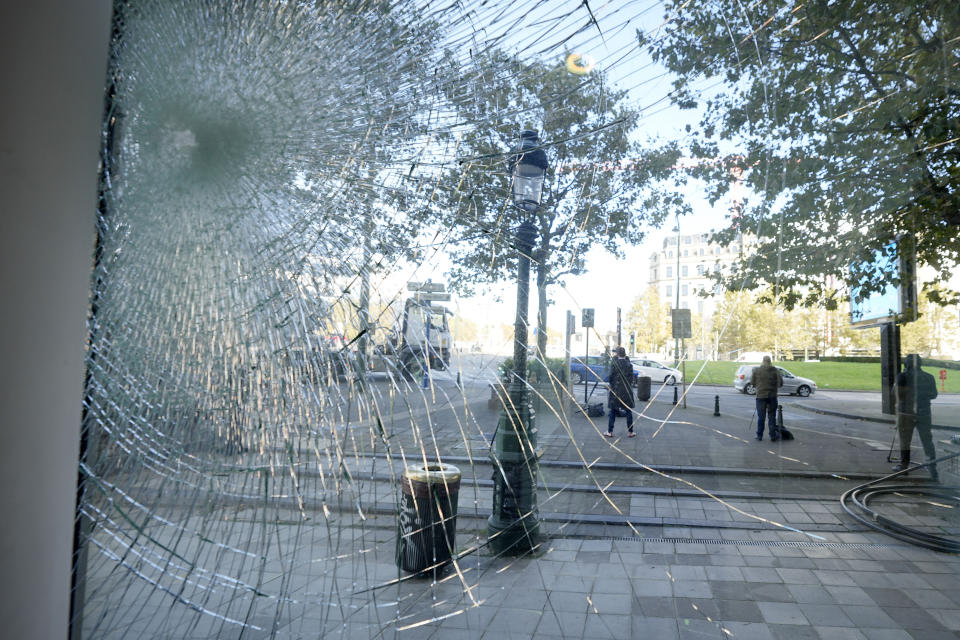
<point>792,384</point>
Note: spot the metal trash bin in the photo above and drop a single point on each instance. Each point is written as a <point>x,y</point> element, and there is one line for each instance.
<point>427,530</point>
<point>643,388</point>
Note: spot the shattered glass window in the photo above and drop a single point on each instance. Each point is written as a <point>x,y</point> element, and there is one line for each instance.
<point>339,385</point>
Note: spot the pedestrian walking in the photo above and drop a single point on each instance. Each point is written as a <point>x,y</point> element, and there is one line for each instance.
<point>620,396</point>
<point>766,380</point>
<point>915,389</point>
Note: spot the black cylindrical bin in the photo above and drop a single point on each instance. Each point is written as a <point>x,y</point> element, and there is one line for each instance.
<point>643,388</point>
<point>428,516</point>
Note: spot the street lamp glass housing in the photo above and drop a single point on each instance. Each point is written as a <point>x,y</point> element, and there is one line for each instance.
<point>529,171</point>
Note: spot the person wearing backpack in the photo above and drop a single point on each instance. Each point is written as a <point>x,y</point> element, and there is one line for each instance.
<point>620,396</point>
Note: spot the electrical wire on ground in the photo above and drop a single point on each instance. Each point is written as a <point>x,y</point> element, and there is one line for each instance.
<point>855,502</point>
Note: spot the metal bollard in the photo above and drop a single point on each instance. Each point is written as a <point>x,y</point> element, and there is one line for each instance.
<point>674,395</point>
<point>716,406</point>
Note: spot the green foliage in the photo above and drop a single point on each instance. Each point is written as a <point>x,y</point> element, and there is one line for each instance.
<point>842,117</point>
<point>537,371</point>
<point>748,323</point>
<point>463,329</point>
<point>936,330</point>
<point>649,319</point>
<point>598,182</point>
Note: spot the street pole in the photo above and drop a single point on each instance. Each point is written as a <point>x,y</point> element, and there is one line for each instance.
<point>619,337</point>
<point>676,342</point>
<point>426,364</point>
<point>364,341</point>
<point>514,525</point>
<point>566,364</point>
<point>683,374</point>
<point>586,365</point>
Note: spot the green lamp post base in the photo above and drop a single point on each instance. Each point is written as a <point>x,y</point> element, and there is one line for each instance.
<point>514,526</point>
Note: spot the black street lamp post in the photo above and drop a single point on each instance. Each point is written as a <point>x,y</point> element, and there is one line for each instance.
<point>514,525</point>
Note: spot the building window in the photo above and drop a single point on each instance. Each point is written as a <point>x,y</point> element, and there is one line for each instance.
<point>683,271</point>
<point>688,240</point>
<point>701,251</point>
<point>683,290</point>
<point>669,272</point>
<point>699,269</point>
<point>669,254</point>
<point>700,306</point>
<point>684,305</point>
<point>669,290</point>
<point>685,252</point>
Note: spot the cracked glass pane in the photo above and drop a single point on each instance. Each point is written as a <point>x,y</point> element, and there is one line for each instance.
<point>362,273</point>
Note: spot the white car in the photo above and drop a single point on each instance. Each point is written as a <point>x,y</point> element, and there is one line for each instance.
<point>657,372</point>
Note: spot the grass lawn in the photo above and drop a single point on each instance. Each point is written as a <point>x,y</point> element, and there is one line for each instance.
<point>858,376</point>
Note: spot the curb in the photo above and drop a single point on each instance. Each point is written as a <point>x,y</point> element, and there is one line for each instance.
<point>852,416</point>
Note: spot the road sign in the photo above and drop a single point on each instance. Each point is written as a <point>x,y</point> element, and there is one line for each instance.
<point>437,297</point>
<point>571,323</point>
<point>681,323</point>
<point>587,320</point>
<point>426,286</point>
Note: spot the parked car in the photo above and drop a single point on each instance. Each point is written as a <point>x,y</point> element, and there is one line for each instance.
<point>598,365</point>
<point>792,384</point>
<point>592,371</point>
<point>657,372</point>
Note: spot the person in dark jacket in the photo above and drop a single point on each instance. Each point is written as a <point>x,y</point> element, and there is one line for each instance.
<point>620,397</point>
<point>766,379</point>
<point>915,389</point>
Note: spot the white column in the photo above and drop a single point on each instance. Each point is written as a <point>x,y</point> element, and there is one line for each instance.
<point>54,54</point>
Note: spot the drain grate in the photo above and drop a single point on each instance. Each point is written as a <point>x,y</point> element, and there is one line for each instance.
<point>746,543</point>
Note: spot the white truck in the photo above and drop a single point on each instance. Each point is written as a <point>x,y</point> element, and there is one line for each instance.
<point>421,333</point>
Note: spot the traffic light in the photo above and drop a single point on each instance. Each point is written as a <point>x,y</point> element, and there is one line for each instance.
<point>633,342</point>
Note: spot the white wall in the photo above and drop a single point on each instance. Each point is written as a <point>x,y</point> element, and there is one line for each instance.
<point>53,56</point>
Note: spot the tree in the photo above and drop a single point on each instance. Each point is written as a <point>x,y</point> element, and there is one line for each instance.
<point>649,319</point>
<point>464,329</point>
<point>596,176</point>
<point>841,116</point>
<point>935,331</point>
<point>743,324</point>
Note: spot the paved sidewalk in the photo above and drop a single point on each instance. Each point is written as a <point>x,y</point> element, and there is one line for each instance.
<point>946,408</point>
<point>691,530</point>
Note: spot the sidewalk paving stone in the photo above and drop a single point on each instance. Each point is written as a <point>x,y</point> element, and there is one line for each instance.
<point>782,613</point>
<point>839,633</point>
<point>827,615</point>
<point>748,630</point>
